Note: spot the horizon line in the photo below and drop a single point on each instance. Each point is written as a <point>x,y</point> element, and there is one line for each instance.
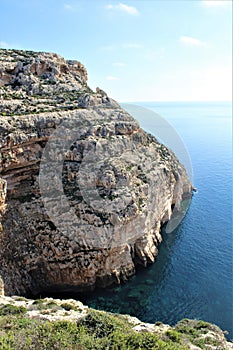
<point>178,101</point>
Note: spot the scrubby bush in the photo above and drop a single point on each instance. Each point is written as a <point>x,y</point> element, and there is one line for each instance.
<point>12,310</point>
<point>97,330</point>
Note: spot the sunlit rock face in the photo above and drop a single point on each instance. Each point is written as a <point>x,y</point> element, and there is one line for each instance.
<point>84,190</point>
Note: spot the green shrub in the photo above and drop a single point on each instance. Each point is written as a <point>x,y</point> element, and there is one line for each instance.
<point>68,307</point>
<point>98,330</point>
<point>12,310</point>
<point>101,324</point>
<point>174,335</point>
<point>42,304</point>
<point>202,324</point>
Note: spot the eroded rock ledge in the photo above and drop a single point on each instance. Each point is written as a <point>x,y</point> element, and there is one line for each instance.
<point>62,228</point>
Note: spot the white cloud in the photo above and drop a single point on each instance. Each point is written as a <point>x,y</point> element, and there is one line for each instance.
<point>111,77</point>
<point>4,45</point>
<point>131,10</point>
<point>188,40</point>
<point>119,64</point>
<point>216,3</point>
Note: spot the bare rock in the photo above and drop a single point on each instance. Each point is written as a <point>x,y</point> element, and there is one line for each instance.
<point>87,189</point>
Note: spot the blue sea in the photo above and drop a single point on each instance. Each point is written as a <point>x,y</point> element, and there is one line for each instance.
<point>192,276</point>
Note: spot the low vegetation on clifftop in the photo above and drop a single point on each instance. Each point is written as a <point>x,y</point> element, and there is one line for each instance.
<point>54,324</point>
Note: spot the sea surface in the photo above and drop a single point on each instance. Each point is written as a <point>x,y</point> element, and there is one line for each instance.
<point>192,276</point>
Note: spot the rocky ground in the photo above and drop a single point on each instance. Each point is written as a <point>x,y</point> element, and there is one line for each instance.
<point>32,82</point>
<point>76,326</point>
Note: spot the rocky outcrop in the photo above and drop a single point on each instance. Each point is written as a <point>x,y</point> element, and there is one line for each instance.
<point>87,189</point>
<point>186,334</point>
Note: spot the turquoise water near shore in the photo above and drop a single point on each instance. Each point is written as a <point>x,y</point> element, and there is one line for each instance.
<point>192,276</point>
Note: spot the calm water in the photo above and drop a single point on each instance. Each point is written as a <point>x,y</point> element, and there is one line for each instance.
<point>192,276</point>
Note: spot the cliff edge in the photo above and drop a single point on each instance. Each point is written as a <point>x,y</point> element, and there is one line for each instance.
<point>84,191</point>
<point>68,325</point>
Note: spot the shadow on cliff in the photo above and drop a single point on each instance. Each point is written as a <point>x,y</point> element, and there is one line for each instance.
<point>133,297</point>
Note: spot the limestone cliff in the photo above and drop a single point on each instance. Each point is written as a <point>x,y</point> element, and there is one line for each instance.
<point>84,190</point>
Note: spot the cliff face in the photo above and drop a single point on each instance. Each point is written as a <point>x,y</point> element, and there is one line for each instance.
<point>83,189</point>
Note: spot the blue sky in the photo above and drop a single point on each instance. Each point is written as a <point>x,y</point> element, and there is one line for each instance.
<point>140,50</point>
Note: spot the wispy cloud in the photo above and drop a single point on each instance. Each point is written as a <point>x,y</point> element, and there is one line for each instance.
<point>131,10</point>
<point>4,45</point>
<point>189,41</point>
<point>111,77</point>
<point>119,64</point>
<point>216,3</point>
